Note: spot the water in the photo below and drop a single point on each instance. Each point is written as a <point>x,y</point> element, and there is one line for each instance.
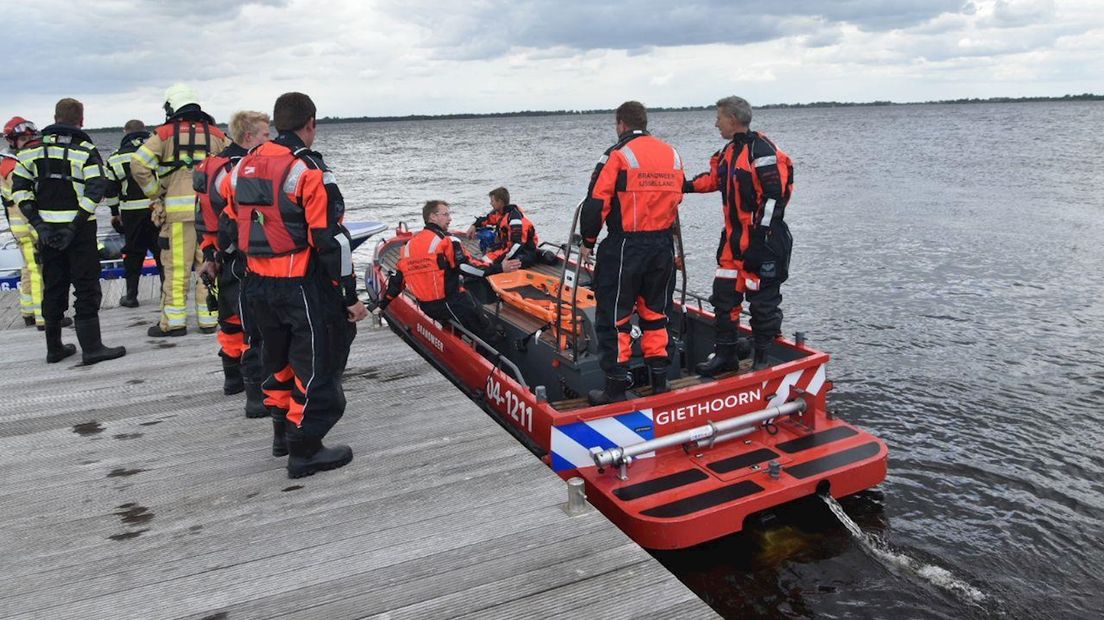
<point>905,566</point>
<point>948,257</point>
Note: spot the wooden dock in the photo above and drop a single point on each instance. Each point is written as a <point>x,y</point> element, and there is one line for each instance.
<point>135,489</point>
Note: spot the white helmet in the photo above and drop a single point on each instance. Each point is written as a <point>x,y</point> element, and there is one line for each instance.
<point>179,95</point>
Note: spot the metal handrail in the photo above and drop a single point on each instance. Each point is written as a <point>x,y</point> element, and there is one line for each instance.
<point>500,358</point>
<point>717,431</point>
<point>574,290</point>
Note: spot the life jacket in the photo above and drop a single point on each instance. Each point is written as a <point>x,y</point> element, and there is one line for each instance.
<point>131,195</point>
<point>270,221</point>
<point>186,156</point>
<point>514,229</point>
<point>205,181</point>
<point>424,263</point>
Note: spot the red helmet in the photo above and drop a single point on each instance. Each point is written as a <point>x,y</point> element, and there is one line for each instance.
<point>17,127</point>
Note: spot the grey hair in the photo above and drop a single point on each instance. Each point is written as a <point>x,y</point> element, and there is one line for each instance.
<point>736,107</point>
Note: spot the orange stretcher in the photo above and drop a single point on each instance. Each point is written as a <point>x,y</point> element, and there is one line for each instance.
<point>535,294</point>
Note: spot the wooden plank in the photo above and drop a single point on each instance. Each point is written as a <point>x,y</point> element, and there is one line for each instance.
<point>175,509</point>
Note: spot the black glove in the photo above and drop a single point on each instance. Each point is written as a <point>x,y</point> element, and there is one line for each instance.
<point>61,238</point>
<point>117,224</point>
<point>44,230</point>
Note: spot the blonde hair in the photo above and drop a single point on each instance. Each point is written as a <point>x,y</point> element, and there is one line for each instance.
<point>246,121</point>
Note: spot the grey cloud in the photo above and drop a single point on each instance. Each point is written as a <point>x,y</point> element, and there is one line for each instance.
<point>116,46</point>
<point>1013,13</point>
<point>500,25</point>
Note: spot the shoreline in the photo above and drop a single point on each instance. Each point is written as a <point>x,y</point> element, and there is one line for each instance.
<point>327,120</point>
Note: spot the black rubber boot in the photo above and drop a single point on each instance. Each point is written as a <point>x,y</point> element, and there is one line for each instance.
<point>65,322</point>
<point>231,371</point>
<point>130,300</point>
<point>760,361</point>
<point>92,349</point>
<point>724,359</point>
<point>254,401</point>
<point>659,379</point>
<point>614,392</point>
<point>29,321</point>
<point>279,439</point>
<point>307,456</point>
<point>157,332</point>
<point>55,350</point>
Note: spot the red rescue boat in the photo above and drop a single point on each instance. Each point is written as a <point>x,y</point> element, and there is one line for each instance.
<point>671,470</point>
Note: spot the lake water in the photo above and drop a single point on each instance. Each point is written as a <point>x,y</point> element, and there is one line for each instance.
<point>948,257</point>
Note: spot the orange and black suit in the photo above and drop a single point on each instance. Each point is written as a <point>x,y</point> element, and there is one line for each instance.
<point>429,267</point>
<point>515,237</point>
<point>755,179</point>
<point>635,191</point>
<point>235,345</point>
<point>284,211</point>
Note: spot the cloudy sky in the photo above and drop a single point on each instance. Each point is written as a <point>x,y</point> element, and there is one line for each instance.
<point>395,57</point>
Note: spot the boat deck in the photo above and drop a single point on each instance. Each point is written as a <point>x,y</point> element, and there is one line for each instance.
<point>135,489</point>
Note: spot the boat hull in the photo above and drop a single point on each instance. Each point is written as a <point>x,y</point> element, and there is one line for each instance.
<point>677,496</point>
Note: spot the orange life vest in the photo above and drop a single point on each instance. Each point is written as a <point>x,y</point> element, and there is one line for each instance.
<point>423,262</point>
<point>209,202</point>
<point>270,221</point>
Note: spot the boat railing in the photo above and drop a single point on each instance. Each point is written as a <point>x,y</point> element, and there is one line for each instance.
<point>573,283</point>
<point>704,436</point>
<point>499,360</point>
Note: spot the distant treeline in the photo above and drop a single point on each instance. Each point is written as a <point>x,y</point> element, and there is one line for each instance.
<point>770,106</point>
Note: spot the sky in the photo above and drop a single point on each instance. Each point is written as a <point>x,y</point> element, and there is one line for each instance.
<point>398,57</point>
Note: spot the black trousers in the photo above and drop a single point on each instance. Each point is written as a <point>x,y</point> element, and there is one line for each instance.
<point>232,317</point>
<point>306,346</point>
<point>460,308</point>
<point>764,304</point>
<point>140,236</point>
<point>633,274</point>
<point>77,266</point>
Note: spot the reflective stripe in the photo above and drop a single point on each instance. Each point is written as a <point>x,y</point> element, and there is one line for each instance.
<point>678,160</point>
<point>346,254</point>
<point>471,269</point>
<point>513,250</point>
<point>433,246</point>
<point>515,222</point>
<point>630,156</point>
<point>176,316</point>
<point>180,204</point>
<point>768,213</point>
<point>765,161</point>
<point>729,274</point>
<point>135,205</point>
<point>603,159</point>
<point>751,285</point>
<point>328,178</point>
<point>292,181</point>
<point>145,157</point>
<point>57,217</point>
